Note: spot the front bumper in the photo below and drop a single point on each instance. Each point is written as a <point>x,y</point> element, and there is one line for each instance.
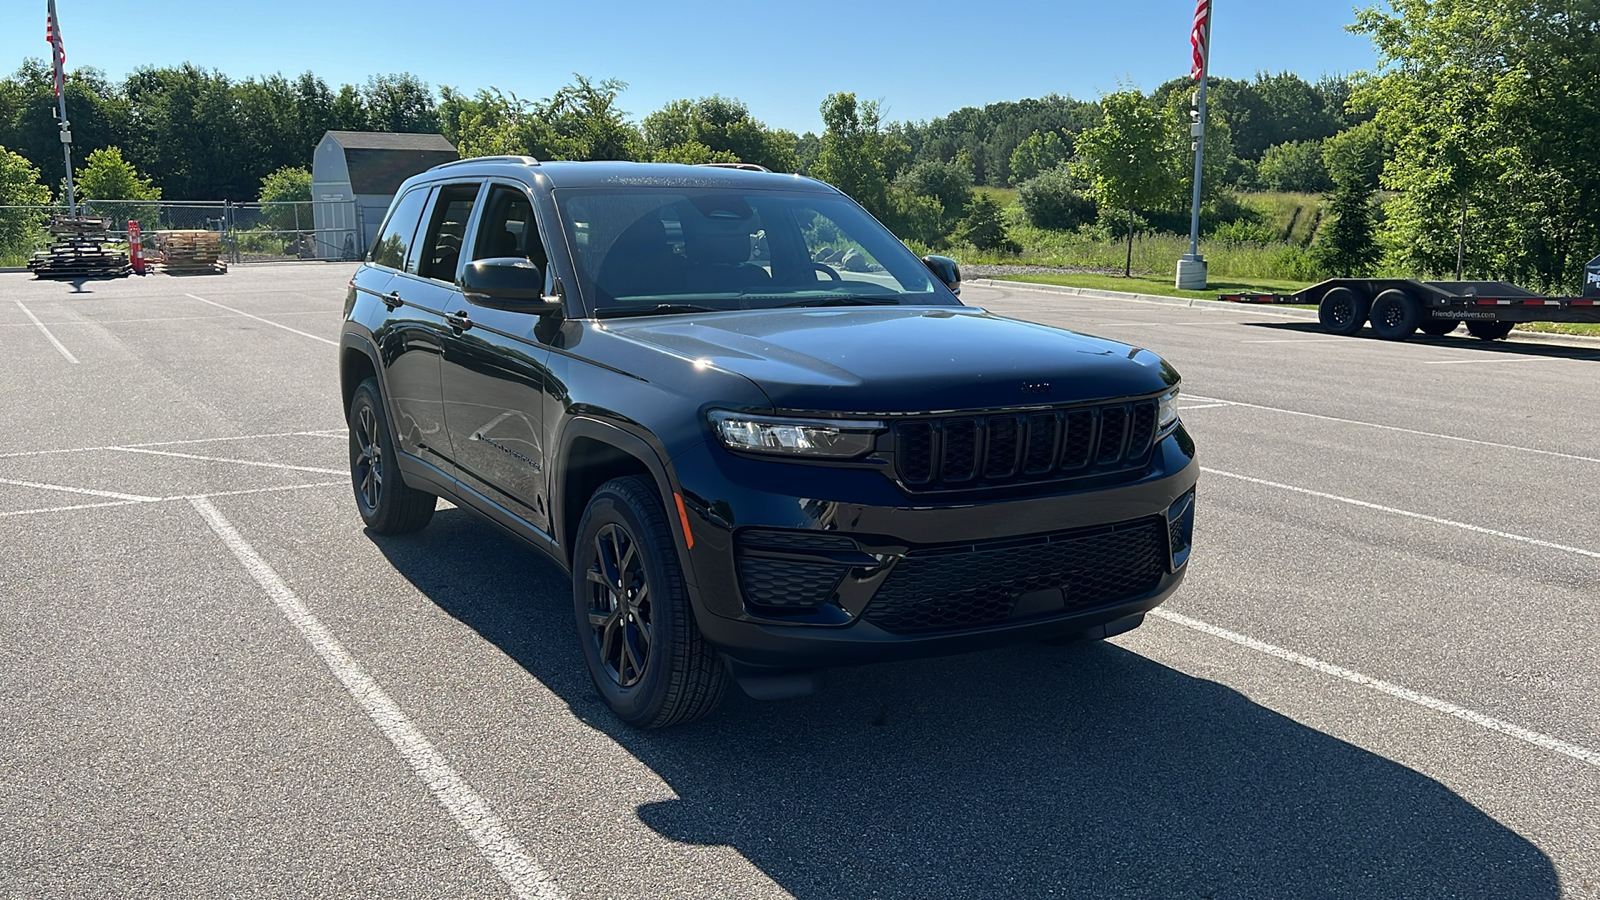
<point>811,566</point>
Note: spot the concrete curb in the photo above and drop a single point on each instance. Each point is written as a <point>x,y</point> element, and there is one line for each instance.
<point>1520,337</point>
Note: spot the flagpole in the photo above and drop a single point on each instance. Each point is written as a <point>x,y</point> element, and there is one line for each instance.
<point>1192,267</point>
<point>56,56</point>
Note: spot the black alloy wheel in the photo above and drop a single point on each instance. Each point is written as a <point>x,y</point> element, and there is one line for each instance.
<point>1395,315</point>
<point>1485,330</point>
<point>641,645</point>
<point>1437,327</point>
<point>1343,311</point>
<point>619,605</point>
<point>386,503</point>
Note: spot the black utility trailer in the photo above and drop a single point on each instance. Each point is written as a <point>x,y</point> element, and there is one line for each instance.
<point>1399,307</point>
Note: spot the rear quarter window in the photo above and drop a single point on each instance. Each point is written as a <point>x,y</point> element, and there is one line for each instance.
<point>399,229</point>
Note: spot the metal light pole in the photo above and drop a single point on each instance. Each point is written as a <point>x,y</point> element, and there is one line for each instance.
<point>1192,266</point>
<point>57,57</point>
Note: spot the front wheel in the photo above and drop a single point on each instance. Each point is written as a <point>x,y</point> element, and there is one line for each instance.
<point>1488,331</point>
<point>387,504</point>
<point>644,652</point>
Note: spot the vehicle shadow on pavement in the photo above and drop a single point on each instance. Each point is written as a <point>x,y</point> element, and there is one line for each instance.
<point>1457,340</point>
<point>1035,771</point>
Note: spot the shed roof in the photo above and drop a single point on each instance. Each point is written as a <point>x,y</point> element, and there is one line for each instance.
<point>388,140</point>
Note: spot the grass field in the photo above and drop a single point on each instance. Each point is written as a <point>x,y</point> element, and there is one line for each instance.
<point>1159,285</point>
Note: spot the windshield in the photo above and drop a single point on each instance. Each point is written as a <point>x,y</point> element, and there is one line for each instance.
<point>645,251</point>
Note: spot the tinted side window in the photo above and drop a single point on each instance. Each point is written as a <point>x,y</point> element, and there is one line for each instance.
<point>447,231</point>
<point>508,228</point>
<point>394,241</point>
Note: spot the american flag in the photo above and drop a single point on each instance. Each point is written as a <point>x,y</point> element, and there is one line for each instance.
<point>1199,36</point>
<point>52,35</point>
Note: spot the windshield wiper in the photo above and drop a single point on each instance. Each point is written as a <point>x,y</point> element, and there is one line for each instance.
<point>845,301</point>
<point>660,309</point>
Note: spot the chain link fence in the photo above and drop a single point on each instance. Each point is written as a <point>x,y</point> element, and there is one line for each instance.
<point>250,232</point>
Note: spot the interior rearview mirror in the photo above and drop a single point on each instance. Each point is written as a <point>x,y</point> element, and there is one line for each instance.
<point>946,270</point>
<point>509,283</point>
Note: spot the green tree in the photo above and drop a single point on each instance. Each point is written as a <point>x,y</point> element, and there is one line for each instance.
<point>856,154</point>
<point>1347,244</point>
<point>107,176</point>
<point>19,186</point>
<point>984,227</point>
<point>1294,166</point>
<point>1041,152</point>
<point>400,103</point>
<point>289,190</point>
<point>1131,158</point>
<point>724,127</point>
<point>1489,110</point>
<point>1057,199</point>
<point>582,121</point>
<point>949,183</point>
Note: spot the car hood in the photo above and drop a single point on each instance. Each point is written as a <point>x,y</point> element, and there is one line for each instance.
<point>902,359</point>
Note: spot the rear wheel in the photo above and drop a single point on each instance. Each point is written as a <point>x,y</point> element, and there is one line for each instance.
<point>386,503</point>
<point>1485,330</point>
<point>1342,311</point>
<point>1437,327</point>
<point>1395,315</point>
<point>645,654</point>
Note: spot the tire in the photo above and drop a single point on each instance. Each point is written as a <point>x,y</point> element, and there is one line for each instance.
<point>1437,327</point>
<point>630,602</point>
<point>1395,315</point>
<point>386,503</point>
<point>1343,311</point>
<point>1485,330</point>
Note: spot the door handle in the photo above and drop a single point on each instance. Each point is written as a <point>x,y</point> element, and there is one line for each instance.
<point>392,300</point>
<point>458,321</point>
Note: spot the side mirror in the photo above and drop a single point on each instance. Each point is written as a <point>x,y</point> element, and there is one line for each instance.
<point>946,270</point>
<point>509,283</point>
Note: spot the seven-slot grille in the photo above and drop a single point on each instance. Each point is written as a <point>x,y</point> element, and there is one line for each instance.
<point>968,451</point>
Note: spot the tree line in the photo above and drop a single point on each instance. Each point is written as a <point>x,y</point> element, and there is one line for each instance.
<point>1472,143</point>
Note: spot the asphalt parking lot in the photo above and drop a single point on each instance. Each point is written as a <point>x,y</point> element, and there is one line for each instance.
<point>1379,680</point>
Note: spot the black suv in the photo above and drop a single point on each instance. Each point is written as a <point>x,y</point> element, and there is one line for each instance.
<point>762,435</point>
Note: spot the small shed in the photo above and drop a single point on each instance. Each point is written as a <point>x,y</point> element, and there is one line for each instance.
<point>354,175</point>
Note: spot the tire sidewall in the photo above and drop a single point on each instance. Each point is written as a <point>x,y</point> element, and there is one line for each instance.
<point>642,703</point>
<point>1359,306</point>
<point>1408,313</point>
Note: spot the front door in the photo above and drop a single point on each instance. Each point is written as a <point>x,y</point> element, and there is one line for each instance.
<point>496,374</point>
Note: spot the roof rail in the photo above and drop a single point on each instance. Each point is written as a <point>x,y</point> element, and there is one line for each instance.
<point>742,166</point>
<point>524,160</point>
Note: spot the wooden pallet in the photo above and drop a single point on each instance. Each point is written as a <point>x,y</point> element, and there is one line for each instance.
<point>80,258</point>
<point>190,252</point>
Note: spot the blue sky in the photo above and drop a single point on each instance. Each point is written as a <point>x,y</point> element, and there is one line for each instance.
<point>921,60</point>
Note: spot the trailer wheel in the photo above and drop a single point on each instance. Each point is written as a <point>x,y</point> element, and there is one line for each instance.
<point>1485,330</point>
<point>1438,327</point>
<point>1342,311</point>
<point>1395,315</point>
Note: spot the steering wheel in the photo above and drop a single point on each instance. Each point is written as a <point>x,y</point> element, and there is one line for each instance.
<point>827,270</point>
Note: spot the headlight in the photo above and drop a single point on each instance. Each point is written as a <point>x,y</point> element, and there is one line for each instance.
<point>795,437</point>
<point>1167,412</point>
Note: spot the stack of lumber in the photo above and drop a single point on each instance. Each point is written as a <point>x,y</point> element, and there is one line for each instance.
<point>80,248</point>
<point>191,252</point>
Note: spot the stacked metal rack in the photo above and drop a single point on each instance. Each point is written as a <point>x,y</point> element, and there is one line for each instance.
<point>81,247</point>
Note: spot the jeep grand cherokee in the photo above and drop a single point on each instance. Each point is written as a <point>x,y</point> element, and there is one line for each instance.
<point>762,436</point>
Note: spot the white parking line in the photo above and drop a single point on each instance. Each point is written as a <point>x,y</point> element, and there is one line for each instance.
<point>1339,340</point>
<point>46,332</point>
<point>1545,741</point>
<point>132,498</point>
<point>1476,529</point>
<point>332,432</point>
<point>267,490</point>
<point>495,841</point>
<point>263,321</point>
<point>238,462</point>
<point>1216,401</point>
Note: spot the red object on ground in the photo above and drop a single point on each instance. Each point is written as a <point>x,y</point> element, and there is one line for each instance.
<point>135,248</point>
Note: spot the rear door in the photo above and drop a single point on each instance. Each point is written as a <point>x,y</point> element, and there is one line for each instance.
<point>409,340</point>
<point>496,374</point>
